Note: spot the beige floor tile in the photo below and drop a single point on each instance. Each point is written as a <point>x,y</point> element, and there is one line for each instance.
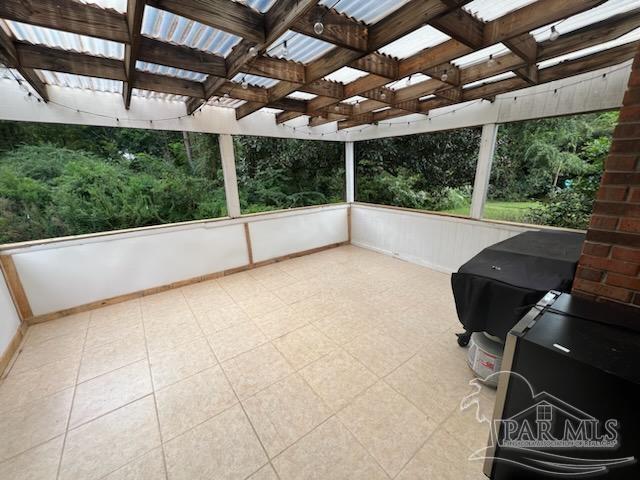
<point>110,391</point>
<point>388,426</point>
<point>279,322</point>
<point>379,353</point>
<point>48,351</point>
<point>111,330</point>
<point>272,277</point>
<point>298,291</point>
<point>183,361</point>
<point>19,389</point>
<point>73,324</point>
<point>148,467</point>
<point>265,473</point>
<point>422,394</point>
<point>205,296</point>
<point>471,426</point>
<point>191,401</point>
<point>236,339</point>
<point>39,463</point>
<point>328,452</point>
<point>304,345</point>
<point>284,412</point>
<point>110,442</point>
<point>241,286</point>
<point>220,318</point>
<point>34,423</point>
<point>223,447</point>
<point>442,458</point>
<point>110,356</point>
<point>316,308</point>
<point>342,327</point>
<point>168,336</point>
<point>257,369</point>
<point>338,378</point>
<point>131,309</point>
<point>260,304</point>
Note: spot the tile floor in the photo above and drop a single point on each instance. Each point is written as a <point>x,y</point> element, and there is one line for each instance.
<point>337,365</point>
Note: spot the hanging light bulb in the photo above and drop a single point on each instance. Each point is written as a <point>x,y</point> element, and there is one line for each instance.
<point>318,27</point>
<point>492,61</point>
<point>554,34</point>
<point>444,76</point>
<point>383,95</point>
<point>409,80</point>
<point>285,50</point>
<point>253,51</point>
<point>226,95</point>
<point>337,108</point>
<point>357,105</point>
<point>244,84</point>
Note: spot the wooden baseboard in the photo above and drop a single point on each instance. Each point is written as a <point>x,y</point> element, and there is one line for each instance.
<point>10,351</point>
<point>183,283</point>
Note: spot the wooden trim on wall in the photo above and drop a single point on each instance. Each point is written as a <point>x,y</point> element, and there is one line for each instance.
<point>349,223</point>
<point>247,236</point>
<point>16,289</point>
<point>151,291</point>
<point>10,351</point>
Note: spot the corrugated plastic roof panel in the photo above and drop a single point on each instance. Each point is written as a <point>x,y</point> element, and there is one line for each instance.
<point>346,75</point>
<point>66,40</point>
<point>495,78</point>
<point>119,5</point>
<point>480,56</point>
<point>410,80</point>
<point>300,48</point>
<point>80,81</point>
<point>417,40</point>
<point>255,80</point>
<point>302,96</point>
<point>170,71</point>
<point>367,11</point>
<point>172,28</point>
<point>488,10</point>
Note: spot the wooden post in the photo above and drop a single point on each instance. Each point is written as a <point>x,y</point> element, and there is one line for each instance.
<point>349,168</point>
<point>483,169</point>
<point>247,236</point>
<point>19,296</point>
<point>228,160</point>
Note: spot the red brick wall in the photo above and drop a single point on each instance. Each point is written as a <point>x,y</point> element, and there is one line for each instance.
<point>609,268</point>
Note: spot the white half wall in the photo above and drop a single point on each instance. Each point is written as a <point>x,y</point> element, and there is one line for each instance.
<point>9,319</point>
<point>440,242</point>
<point>275,237</point>
<point>65,273</point>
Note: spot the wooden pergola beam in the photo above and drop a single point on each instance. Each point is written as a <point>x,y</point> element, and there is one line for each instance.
<point>135,10</point>
<point>177,56</point>
<point>10,56</point>
<point>339,29</point>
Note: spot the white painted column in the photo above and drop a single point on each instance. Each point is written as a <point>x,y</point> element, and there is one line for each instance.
<point>227,155</point>
<point>483,169</point>
<point>350,167</point>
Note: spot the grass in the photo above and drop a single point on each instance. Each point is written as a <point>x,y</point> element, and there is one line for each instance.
<point>499,210</point>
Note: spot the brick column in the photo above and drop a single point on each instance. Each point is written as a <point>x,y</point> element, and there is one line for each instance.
<point>609,266</point>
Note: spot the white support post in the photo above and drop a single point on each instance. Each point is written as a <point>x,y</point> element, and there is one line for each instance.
<point>483,169</point>
<point>349,168</point>
<point>227,156</point>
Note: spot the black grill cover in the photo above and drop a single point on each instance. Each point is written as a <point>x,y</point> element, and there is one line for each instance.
<point>498,286</point>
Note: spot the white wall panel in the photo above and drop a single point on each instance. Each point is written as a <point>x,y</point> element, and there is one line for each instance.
<point>435,241</point>
<point>68,274</point>
<point>275,237</point>
<point>9,320</point>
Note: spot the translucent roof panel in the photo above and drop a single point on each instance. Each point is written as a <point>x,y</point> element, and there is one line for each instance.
<point>345,75</point>
<point>299,47</point>
<point>480,56</point>
<point>302,96</point>
<point>412,43</point>
<point>169,97</point>
<point>170,71</point>
<point>80,81</point>
<point>254,80</point>
<point>367,11</point>
<point>629,37</point>
<point>259,5</point>
<point>488,10</point>
<point>601,12</point>
<point>172,28</point>
<point>408,81</point>
<point>66,41</point>
<point>356,99</point>
<point>495,78</point>
<point>119,5</point>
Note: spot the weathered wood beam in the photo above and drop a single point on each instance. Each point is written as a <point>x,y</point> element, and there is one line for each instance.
<point>178,56</point>
<point>326,118</point>
<point>378,64</point>
<point>231,17</point>
<point>135,10</point>
<point>250,94</point>
<point>290,104</point>
<point>339,29</point>
<point>286,116</point>
<point>164,84</point>
<point>283,15</point>
<point>324,88</point>
<point>275,68</point>
<point>69,16</point>
<point>431,57</point>
<point>461,26</point>
<point>11,57</point>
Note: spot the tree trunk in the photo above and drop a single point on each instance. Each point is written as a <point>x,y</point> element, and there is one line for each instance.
<point>555,180</point>
<point>187,147</point>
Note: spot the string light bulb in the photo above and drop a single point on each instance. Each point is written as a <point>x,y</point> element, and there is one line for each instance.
<point>383,95</point>
<point>554,34</point>
<point>253,51</point>
<point>445,76</point>
<point>492,61</point>
<point>337,108</point>
<point>409,80</point>
<point>226,95</point>
<point>244,84</point>
<point>357,105</point>
<point>285,50</point>
<point>318,27</point>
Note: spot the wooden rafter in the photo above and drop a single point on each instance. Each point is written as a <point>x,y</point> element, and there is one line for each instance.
<point>10,57</point>
<point>135,10</point>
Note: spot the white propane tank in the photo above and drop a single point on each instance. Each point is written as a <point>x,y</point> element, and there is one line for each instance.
<point>485,356</point>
